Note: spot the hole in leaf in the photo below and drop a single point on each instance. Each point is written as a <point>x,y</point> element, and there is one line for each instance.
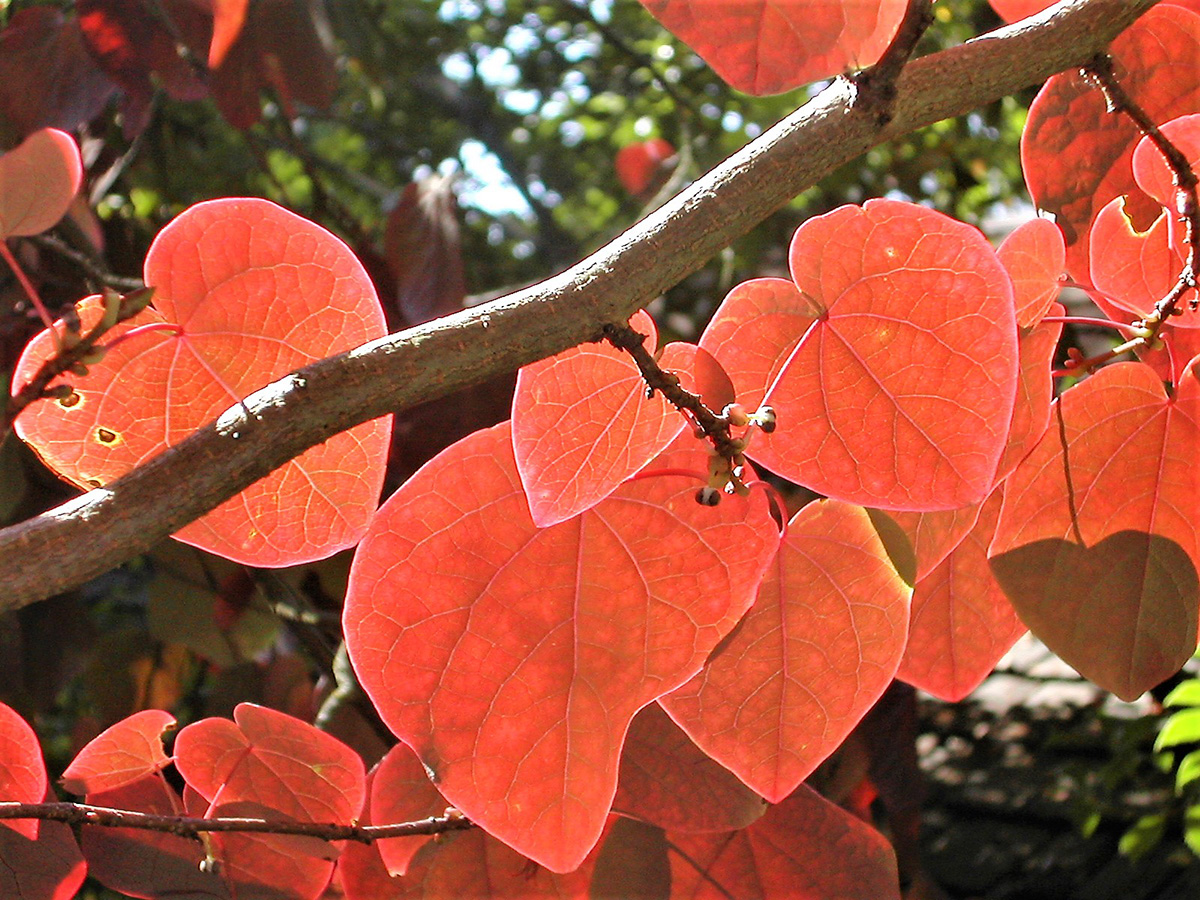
<point>72,399</point>
<point>104,436</point>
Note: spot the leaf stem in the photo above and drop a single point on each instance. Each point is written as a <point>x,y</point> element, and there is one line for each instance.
<point>26,284</point>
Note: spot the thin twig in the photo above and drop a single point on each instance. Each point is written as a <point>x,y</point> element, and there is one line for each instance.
<point>93,269</point>
<point>192,827</point>
<point>876,85</point>
<point>1100,73</point>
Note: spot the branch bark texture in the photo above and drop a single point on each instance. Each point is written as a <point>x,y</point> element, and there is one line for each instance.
<point>89,535</point>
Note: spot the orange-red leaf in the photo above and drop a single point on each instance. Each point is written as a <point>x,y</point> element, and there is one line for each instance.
<point>270,758</point>
<point>128,751</point>
<point>819,646</point>
<point>1076,156</point>
<point>639,164</point>
<point>22,771</point>
<point>512,658</point>
<point>1035,256</point>
<point>38,181</point>
<point>582,422</point>
<point>1096,545</point>
<point>889,391</point>
<point>256,291</point>
<point>770,46</point>
<point>803,848</point>
<point>669,781</point>
<point>961,621</point>
<point>402,792</point>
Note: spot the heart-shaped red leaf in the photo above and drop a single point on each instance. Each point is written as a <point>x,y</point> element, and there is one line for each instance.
<point>38,181</point>
<point>128,751</point>
<point>582,422</point>
<point>820,645</point>
<point>274,760</point>
<point>253,291</point>
<point>515,675</point>
<point>1035,256</point>
<point>869,342</point>
<point>962,623</point>
<point>1115,470</point>
<point>804,847</point>
<point>669,781</point>
<point>770,46</point>
<point>22,771</point>
<point>1076,156</point>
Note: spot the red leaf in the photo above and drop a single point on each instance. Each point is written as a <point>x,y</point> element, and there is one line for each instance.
<point>771,46</point>
<point>819,646</point>
<point>126,752</point>
<point>38,181</point>
<point>281,47</point>
<point>803,848</point>
<point>1012,10</point>
<point>669,781</point>
<point>228,18</point>
<point>274,760</point>
<point>1096,545</point>
<point>961,621</point>
<point>1136,269</point>
<point>1035,391</point>
<point>1035,257</point>
<point>515,676</point>
<point>50,868</point>
<point>934,535</point>
<point>22,771</point>
<point>256,292</point>
<point>582,422</point>
<point>131,42</point>
<point>143,863</point>
<point>402,792</point>
<point>869,342</point>
<point>47,77</point>
<point>1076,156</point>
<point>639,164</point>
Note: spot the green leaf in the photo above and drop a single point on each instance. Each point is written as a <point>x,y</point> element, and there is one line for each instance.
<point>1191,828</point>
<point>1188,771</point>
<point>1185,694</point>
<point>1181,728</point>
<point>1143,835</point>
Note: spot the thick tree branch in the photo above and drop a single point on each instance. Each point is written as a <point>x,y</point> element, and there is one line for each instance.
<point>105,527</point>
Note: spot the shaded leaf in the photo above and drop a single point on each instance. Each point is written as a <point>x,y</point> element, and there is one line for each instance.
<point>815,652</point>
<point>38,181</point>
<point>1115,470</point>
<point>256,292</point>
<point>514,675</point>
<point>669,781</point>
<point>868,343</point>
<point>770,46</point>
<point>47,77</point>
<point>424,251</point>
<point>803,847</point>
<point>632,863</point>
<point>50,868</point>
<point>123,753</point>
